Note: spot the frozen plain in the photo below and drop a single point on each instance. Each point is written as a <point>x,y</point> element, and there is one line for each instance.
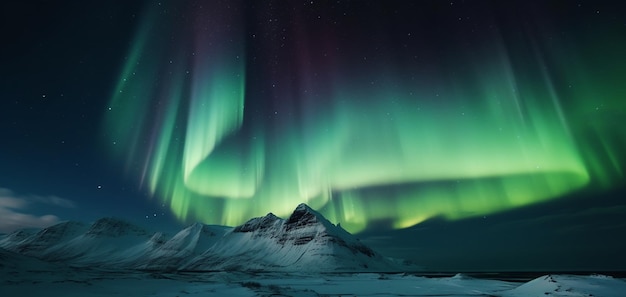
<point>27,276</point>
<point>34,278</point>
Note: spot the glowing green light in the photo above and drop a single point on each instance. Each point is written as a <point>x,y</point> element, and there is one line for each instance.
<point>476,142</point>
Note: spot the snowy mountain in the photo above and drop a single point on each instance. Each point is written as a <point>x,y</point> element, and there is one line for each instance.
<point>36,243</point>
<point>106,242</point>
<point>306,241</point>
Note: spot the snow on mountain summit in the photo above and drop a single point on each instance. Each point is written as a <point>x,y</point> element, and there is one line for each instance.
<point>305,241</point>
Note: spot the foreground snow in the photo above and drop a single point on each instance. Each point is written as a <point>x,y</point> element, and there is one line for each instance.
<point>571,285</point>
<point>33,278</point>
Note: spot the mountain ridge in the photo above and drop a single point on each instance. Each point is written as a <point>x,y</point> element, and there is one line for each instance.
<point>305,241</point>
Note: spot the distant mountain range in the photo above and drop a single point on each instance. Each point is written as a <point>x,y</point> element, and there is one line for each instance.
<point>306,241</point>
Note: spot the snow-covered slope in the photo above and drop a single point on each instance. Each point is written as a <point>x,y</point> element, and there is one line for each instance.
<point>36,243</point>
<point>188,243</point>
<point>106,242</point>
<point>306,241</point>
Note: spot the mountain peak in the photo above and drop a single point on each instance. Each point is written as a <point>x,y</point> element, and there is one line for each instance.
<point>304,215</point>
<point>303,206</point>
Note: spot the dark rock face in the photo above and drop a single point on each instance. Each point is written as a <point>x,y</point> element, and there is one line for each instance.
<point>306,225</point>
<point>301,217</point>
<point>301,240</point>
<point>304,217</point>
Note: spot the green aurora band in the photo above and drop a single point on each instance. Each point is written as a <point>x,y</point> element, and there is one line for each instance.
<point>492,136</point>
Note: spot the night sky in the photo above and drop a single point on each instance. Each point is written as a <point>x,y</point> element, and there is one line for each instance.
<point>462,135</point>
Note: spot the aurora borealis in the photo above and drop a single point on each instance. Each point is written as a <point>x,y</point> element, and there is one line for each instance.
<point>226,111</point>
<point>460,135</point>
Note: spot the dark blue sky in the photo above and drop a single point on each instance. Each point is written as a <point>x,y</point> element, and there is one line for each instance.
<point>61,63</point>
